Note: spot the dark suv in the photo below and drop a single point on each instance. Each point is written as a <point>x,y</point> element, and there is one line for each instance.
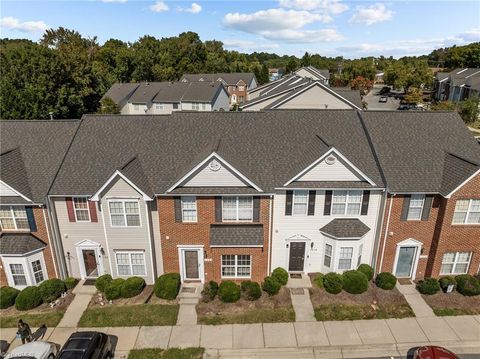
<point>87,345</point>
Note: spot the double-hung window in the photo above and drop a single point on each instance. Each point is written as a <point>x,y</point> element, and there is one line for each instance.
<point>130,263</point>
<point>159,106</point>
<point>37,271</point>
<point>237,209</point>
<point>204,106</point>
<point>345,259</point>
<point>346,202</point>
<point>300,202</point>
<point>136,107</point>
<point>415,207</point>
<point>189,209</point>
<point>13,218</point>
<point>327,258</point>
<point>360,250</point>
<point>82,213</point>
<point>18,274</point>
<point>195,106</point>
<point>467,211</point>
<point>236,266</point>
<point>455,262</point>
<point>124,213</point>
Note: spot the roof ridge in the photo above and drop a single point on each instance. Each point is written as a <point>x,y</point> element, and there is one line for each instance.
<point>461,158</point>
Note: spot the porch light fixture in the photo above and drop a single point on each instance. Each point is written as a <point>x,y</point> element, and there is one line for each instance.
<point>287,245</point>
<point>102,252</point>
<point>311,245</point>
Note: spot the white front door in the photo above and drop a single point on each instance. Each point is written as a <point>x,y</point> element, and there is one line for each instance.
<point>191,263</point>
<point>90,261</point>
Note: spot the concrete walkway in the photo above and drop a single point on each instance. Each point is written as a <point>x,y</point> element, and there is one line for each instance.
<point>83,296</point>
<point>414,298</point>
<point>302,305</point>
<point>189,296</point>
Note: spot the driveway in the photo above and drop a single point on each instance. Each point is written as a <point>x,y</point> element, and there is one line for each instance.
<point>372,100</point>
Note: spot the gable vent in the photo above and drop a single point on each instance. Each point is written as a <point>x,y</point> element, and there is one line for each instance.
<point>330,160</point>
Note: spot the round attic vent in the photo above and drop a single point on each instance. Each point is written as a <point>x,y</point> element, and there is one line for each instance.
<point>330,160</point>
<point>214,165</point>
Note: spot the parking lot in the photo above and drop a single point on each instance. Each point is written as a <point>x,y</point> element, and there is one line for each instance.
<point>373,97</point>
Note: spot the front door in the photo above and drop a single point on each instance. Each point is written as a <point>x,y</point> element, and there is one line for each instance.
<point>406,256</point>
<point>90,262</point>
<point>191,264</point>
<point>297,256</point>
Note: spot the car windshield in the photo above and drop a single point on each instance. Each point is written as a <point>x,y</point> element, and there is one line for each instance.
<point>22,357</point>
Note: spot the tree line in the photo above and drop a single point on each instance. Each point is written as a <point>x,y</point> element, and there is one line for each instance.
<point>64,75</point>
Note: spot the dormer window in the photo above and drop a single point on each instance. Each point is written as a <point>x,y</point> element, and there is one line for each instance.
<point>14,218</point>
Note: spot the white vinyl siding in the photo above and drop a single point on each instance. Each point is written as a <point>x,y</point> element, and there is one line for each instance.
<point>124,213</point>
<point>13,218</point>
<point>415,207</point>
<point>130,264</point>
<point>237,209</point>
<point>236,266</point>
<point>345,260</point>
<point>455,263</point>
<point>189,209</point>
<point>300,202</point>
<point>346,202</point>
<point>467,211</point>
<point>82,213</point>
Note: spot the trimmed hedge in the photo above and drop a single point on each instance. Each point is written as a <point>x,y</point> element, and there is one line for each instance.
<point>51,289</point>
<point>132,287</point>
<point>333,282</point>
<point>468,285</point>
<point>281,275</point>
<point>318,280</point>
<point>102,282</point>
<point>367,270</point>
<point>252,290</point>
<point>354,282</point>
<point>428,286</point>
<point>70,282</point>
<point>210,291</point>
<point>114,289</point>
<point>7,296</point>
<point>229,292</point>
<point>28,298</point>
<point>386,281</point>
<point>167,286</point>
<point>271,285</point>
<point>446,281</point>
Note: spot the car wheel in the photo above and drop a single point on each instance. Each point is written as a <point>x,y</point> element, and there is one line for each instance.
<point>51,356</point>
<point>109,356</point>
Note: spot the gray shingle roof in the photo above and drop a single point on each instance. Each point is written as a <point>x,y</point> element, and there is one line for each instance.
<point>146,91</point>
<point>236,235</point>
<point>13,172</point>
<point>329,184</point>
<point>343,228</point>
<point>231,78</point>
<point>120,92</point>
<point>19,243</point>
<point>214,190</point>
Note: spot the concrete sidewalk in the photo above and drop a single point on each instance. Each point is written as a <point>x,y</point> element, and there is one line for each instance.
<point>415,300</point>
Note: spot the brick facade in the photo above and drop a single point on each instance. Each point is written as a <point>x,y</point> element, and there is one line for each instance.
<point>178,233</point>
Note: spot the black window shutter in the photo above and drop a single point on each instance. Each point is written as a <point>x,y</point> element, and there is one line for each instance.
<point>328,203</point>
<point>365,201</point>
<point>256,209</point>
<point>178,209</point>
<point>288,203</point>
<point>218,209</point>
<point>31,219</point>
<point>311,203</point>
<point>406,205</point>
<point>426,207</point>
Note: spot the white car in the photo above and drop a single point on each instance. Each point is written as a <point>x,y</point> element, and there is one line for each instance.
<point>34,350</point>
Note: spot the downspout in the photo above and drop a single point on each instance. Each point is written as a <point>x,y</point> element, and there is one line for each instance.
<point>47,226</point>
<point>386,231</point>
<point>379,229</point>
<point>57,240</point>
<point>270,233</point>
<point>152,244</point>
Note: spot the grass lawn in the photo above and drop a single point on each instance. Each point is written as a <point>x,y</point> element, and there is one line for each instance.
<point>445,304</point>
<point>278,315</point>
<point>174,353</point>
<point>361,311</point>
<point>34,320</point>
<point>444,312</point>
<point>130,316</point>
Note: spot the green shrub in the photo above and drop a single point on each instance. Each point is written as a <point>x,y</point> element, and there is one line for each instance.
<point>51,289</point>
<point>428,286</point>
<point>210,291</point>
<point>229,292</point>
<point>386,281</point>
<point>367,270</point>
<point>333,283</point>
<point>446,281</point>
<point>271,285</point>
<point>167,286</point>
<point>132,287</point>
<point>468,285</point>
<point>28,298</point>
<point>7,296</point>
<point>102,282</point>
<point>281,275</point>
<point>114,289</point>
<point>354,282</point>
<point>318,280</point>
<point>70,282</point>
<point>252,290</point>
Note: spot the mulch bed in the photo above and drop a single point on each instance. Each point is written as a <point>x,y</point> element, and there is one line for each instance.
<point>147,296</point>
<point>456,302</point>
<point>62,306</point>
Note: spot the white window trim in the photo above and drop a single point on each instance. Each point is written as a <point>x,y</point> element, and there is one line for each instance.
<point>326,255</point>
<point>235,266</point>
<point>42,270</point>
<point>124,213</point>
<point>455,262</point>
<point>351,257</point>
<point>25,261</point>
<point>293,203</point>
<point>237,210</point>
<point>12,212</point>
<point>189,209</point>
<point>75,210</point>
<point>345,214</point>
<point>130,264</point>
<point>467,213</point>
<point>421,208</point>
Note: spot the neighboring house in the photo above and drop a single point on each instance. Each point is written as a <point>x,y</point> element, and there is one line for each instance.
<point>275,74</point>
<point>457,85</point>
<point>432,213</point>
<point>296,92</point>
<point>166,97</point>
<point>31,154</point>
<point>313,73</point>
<point>238,84</point>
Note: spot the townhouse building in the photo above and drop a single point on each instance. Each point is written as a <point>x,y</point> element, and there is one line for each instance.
<point>457,85</point>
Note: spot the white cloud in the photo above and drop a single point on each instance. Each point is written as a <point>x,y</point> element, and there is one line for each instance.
<point>194,8</point>
<point>471,35</point>
<point>248,46</point>
<point>372,14</point>
<point>159,6</point>
<point>304,36</point>
<point>27,26</point>
<point>334,7</point>
<point>109,1</point>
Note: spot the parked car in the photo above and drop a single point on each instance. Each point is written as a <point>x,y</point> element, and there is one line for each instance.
<point>383,99</point>
<point>34,350</point>
<point>87,345</point>
<point>433,352</point>
<point>385,90</point>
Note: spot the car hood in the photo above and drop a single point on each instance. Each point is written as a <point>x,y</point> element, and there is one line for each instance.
<point>34,349</point>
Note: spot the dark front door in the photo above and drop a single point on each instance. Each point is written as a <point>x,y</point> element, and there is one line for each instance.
<point>191,265</point>
<point>297,256</point>
<point>90,262</point>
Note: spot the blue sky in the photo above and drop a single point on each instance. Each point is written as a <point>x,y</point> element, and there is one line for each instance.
<point>329,27</point>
